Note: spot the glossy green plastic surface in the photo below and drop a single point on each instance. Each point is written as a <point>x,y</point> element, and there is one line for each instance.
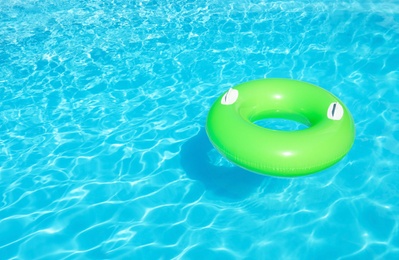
<point>231,129</point>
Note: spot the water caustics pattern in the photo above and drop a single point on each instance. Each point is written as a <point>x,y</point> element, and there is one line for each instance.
<point>103,152</point>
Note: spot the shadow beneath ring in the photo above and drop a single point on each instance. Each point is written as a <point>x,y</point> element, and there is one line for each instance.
<point>232,182</point>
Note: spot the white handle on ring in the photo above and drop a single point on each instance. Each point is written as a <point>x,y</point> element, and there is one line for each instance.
<point>230,97</point>
<point>335,111</point>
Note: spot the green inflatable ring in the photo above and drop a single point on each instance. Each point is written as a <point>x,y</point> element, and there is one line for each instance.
<point>328,138</point>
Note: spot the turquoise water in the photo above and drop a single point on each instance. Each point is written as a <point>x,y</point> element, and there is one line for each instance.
<point>103,153</point>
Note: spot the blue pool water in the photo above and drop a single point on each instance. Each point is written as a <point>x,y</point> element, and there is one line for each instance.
<point>103,152</point>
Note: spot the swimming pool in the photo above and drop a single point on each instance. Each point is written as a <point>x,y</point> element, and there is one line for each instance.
<point>103,149</point>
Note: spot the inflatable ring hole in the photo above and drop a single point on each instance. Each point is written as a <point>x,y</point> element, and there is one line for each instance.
<point>281,124</point>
